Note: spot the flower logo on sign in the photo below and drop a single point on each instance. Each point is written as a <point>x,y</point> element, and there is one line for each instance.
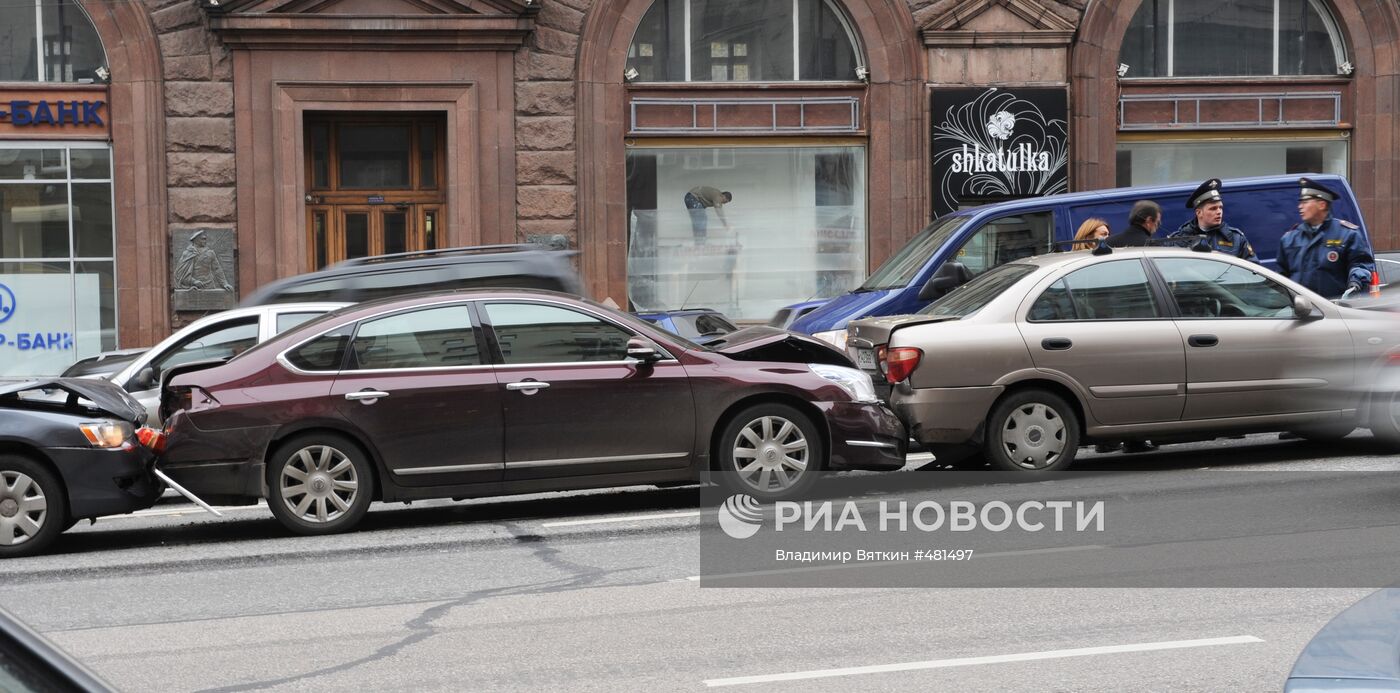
<point>7,303</point>
<point>1001,124</point>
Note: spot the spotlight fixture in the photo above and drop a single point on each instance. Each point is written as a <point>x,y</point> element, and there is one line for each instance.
<point>1123,69</point>
<point>863,73</point>
<point>1346,68</point>
<point>103,73</point>
<point>630,74</point>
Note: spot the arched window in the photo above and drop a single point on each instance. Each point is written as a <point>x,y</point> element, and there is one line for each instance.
<point>48,41</point>
<point>743,41</point>
<point>1232,38</point>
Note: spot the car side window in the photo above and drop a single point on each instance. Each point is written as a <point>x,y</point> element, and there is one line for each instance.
<point>287,321</point>
<point>1104,291</point>
<point>1204,288</point>
<point>324,353</point>
<point>1008,238</point>
<point>432,338</point>
<point>217,342</point>
<point>538,333</point>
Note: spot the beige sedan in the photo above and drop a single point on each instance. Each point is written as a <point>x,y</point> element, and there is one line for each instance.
<point>1034,358</point>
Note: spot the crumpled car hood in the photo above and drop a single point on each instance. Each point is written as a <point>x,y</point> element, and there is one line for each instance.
<point>102,396</point>
<point>764,343</point>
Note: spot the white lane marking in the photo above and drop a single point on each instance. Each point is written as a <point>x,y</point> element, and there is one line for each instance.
<point>872,564</point>
<point>974,661</point>
<point>607,520</point>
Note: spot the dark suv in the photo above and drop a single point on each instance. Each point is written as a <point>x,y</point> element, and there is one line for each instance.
<point>382,276</point>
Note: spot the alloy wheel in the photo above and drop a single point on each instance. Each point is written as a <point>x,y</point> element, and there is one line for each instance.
<point>23,508</point>
<point>771,453</point>
<point>1033,436</point>
<point>318,484</point>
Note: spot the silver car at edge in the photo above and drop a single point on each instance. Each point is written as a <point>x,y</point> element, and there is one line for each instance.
<point>1034,358</point>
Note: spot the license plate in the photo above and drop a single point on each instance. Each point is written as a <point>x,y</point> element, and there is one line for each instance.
<point>865,358</point>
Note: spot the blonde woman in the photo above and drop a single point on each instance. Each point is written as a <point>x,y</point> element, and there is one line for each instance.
<point>1091,232</point>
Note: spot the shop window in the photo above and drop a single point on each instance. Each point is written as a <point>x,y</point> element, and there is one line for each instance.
<point>743,41</point>
<point>794,230</point>
<point>48,41</point>
<point>1153,162</point>
<point>57,258</point>
<point>1232,38</point>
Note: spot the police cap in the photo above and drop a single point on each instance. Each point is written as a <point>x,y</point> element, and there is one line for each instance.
<point>1208,192</point>
<point>1313,190</point>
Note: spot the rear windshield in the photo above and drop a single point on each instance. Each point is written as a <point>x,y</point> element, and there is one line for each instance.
<point>900,270</point>
<point>974,295</point>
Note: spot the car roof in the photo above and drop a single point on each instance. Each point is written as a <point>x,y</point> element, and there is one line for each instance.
<point>462,294</point>
<point>1064,258</point>
<point>1147,192</point>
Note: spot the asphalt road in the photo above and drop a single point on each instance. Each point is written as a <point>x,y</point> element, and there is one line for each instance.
<point>597,591</point>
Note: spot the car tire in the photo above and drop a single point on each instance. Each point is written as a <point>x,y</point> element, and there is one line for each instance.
<point>1385,418</point>
<point>770,451</point>
<point>33,507</point>
<point>319,483</point>
<point>1031,431</point>
<point>1324,434</point>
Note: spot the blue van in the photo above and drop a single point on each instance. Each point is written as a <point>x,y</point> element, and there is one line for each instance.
<point>980,238</point>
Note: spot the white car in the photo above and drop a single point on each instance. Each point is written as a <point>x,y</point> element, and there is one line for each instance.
<point>222,335</point>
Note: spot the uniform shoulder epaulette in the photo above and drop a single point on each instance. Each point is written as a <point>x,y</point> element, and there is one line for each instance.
<point>1347,224</point>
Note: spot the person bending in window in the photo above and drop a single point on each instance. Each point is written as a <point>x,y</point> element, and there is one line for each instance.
<point>700,199</point>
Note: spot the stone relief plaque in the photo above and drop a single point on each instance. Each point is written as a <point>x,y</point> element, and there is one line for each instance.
<point>202,270</point>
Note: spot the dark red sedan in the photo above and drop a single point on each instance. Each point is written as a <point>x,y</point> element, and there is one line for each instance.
<point>480,393</point>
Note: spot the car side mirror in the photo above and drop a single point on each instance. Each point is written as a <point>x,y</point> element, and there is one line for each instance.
<point>642,350</point>
<point>145,379</point>
<point>949,276</point>
<point>1302,307</point>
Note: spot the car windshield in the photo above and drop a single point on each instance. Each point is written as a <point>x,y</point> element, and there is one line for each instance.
<point>899,270</point>
<point>972,296</point>
<point>307,327</point>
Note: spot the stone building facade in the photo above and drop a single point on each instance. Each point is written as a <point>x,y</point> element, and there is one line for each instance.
<point>531,119</point>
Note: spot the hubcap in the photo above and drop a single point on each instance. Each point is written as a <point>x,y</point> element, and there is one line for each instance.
<point>1033,436</point>
<point>319,483</point>
<point>771,453</point>
<point>23,508</point>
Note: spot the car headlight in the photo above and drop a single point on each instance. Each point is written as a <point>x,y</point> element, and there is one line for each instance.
<point>856,383</point>
<point>836,338</point>
<point>106,434</point>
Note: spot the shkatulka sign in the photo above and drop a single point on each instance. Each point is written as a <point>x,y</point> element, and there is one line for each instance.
<point>994,143</point>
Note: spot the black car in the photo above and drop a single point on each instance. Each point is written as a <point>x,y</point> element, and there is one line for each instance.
<point>68,459</point>
<point>103,364</point>
<point>520,266</point>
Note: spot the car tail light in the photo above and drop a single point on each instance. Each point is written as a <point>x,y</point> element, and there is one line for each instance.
<point>880,356</point>
<point>151,438</point>
<point>900,362</point>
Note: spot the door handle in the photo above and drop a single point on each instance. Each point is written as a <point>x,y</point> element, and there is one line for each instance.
<point>365,396</point>
<point>1203,340</point>
<point>1055,343</point>
<point>528,387</point>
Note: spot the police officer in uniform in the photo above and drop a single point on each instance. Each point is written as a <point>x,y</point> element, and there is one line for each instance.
<point>1323,253</point>
<point>1210,222</point>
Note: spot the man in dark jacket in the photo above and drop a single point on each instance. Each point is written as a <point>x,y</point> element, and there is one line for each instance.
<point>1143,221</point>
<point>1210,222</point>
